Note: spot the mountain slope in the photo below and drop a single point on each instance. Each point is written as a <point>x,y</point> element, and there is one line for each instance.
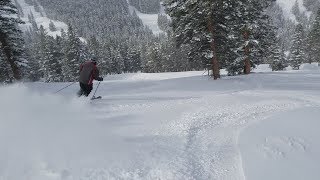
<point>287,8</point>
<point>102,18</point>
<point>40,18</point>
<point>170,128</point>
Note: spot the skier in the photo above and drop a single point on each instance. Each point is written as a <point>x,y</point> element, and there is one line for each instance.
<point>88,73</point>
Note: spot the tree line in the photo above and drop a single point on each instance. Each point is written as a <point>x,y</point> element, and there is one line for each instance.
<point>235,36</point>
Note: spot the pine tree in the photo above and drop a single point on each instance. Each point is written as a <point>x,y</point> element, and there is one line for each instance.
<point>175,58</point>
<point>4,74</point>
<point>231,33</point>
<point>117,62</point>
<point>146,6</point>
<point>53,66</point>
<point>300,16</point>
<point>284,26</point>
<point>278,57</point>
<point>105,58</point>
<point>33,21</point>
<point>42,54</point>
<point>71,62</point>
<point>134,61</point>
<point>52,27</point>
<point>311,5</point>
<point>201,25</point>
<point>295,9</point>
<point>154,59</point>
<point>33,63</point>
<point>36,6</point>
<point>94,46</point>
<point>297,54</point>
<point>252,31</point>
<point>49,53</point>
<point>20,11</point>
<point>163,22</point>
<point>11,41</point>
<point>33,70</point>
<point>313,41</point>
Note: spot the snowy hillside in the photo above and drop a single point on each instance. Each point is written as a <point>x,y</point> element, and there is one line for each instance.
<point>287,8</point>
<point>259,126</point>
<point>150,20</point>
<point>40,19</point>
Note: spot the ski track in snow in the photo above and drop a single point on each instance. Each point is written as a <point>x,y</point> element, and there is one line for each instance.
<point>210,133</point>
<point>166,129</point>
<point>277,147</point>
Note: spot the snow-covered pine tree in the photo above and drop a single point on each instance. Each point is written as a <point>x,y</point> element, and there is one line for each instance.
<point>297,54</point>
<point>300,16</point>
<point>42,52</point>
<point>134,61</point>
<point>314,40</point>
<point>296,10</point>
<point>284,26</point>
<point>71,61</point>
<point>106,58</point>
<point>252,31</point>
<point>117,62</point>
<point>203,26</point>
<point>33,22</point>
<point>36,6</point>
<point>94,46</point>
<point>4,75</point>
<point>101,51</point>
<point>32,73</point>
<point>163,22</point>
<point>53,69</point>
<point>146,6</point>
<point>278,58</point>
<point>124,51</point>
<point>176,58</point>
<point>11,41</point>
<point>48,51</point>
<point>154,59</point>
<point>109,21</point>
<point>312,5</point>
<point>52,27</point>
<point>20,11</point>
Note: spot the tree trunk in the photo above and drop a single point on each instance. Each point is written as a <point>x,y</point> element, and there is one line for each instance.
<point>247,64</point>
<point>8,55</point>
<point>215,61</point>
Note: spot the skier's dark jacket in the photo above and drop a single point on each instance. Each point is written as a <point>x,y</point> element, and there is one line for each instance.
<point>88,73</point>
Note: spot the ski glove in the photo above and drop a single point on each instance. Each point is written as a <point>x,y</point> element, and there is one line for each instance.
<point>100,79</point>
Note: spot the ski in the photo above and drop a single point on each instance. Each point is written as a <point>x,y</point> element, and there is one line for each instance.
<point>94,97</point>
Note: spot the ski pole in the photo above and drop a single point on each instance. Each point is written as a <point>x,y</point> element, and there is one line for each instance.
<point>204,72</point>
<point>65,87</point>
<point>94,94</point>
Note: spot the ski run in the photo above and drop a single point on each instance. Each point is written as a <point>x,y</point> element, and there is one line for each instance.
<point>259,120</point>
<point>173,126</point>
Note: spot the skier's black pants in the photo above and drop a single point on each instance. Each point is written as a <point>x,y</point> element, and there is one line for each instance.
<point>85,89</point>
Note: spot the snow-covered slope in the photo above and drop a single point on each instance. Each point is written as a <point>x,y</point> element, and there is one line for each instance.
<point>287,7</point>
<point>184,127</point>
<point>40,18</point>
<point>284,146</point>
<point>150,20</point>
